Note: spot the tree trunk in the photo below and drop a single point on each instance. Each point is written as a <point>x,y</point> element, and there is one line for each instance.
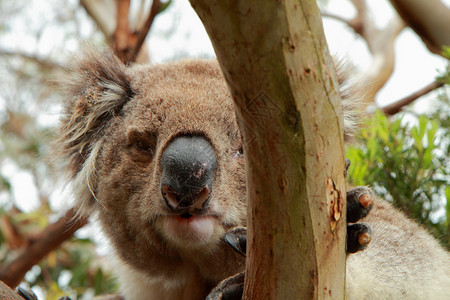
<point>6,293</point>
<point>276,62</point>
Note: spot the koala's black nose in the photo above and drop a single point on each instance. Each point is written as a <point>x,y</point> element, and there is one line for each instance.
<point>188,166</point>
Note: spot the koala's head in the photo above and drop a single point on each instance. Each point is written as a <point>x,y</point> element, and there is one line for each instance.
<point>155,151</point>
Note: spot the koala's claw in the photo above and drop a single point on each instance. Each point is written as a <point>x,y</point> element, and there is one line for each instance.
<point>359,236</point>
<point>27,294</point>
<point>347,165</point>
<point>230,288</point>
<point>359,203</point>
<point>237,238</point>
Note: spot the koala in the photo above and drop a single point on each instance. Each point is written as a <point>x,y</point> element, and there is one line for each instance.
<point>155,153</point>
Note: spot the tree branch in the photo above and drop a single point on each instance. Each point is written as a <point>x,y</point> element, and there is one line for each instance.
<point>12,235</point>
<point>42,62</point>
<point>348,22</point>
<point>142,34</point>
<point>380,43</point>
<point>102,12</point>
<point>128,43</point>
<point>50,239</point>
<point>430,20</point>
<point>121,34</point>
<point>397,106</point>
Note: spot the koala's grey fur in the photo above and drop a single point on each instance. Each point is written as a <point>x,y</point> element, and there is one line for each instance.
<point>112,109</point>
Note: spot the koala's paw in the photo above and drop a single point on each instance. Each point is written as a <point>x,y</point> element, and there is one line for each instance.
<point>359,203</point>
<point>359,236</point>
<point>230,288</point>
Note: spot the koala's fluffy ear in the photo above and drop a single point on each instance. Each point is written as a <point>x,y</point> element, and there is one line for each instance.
<point>96,91</point>
<point>352,97</point>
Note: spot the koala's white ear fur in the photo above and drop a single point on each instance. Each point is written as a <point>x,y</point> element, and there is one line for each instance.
<point>352,98</point>
<point>97,89</point>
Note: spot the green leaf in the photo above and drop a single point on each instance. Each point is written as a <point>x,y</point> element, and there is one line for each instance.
<point>164,6</point>
<point>447,196</point>
<point>427,158</point>
<point>446,51</point>
<point>5,184</point>
<point>416,136</point>
<point>432,133</point>
<point>395,127</point>
<point>423,121</point>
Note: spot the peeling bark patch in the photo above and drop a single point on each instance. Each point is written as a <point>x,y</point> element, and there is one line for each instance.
<point>335,203</point>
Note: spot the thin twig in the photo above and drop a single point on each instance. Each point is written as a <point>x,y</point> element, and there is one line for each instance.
<point>397,106</point>
<point>42,62</point>
<point>14,238</point>
<point>336,17</point>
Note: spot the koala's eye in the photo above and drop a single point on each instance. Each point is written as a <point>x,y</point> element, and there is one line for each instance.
<point>239,151</point>
<point>143,146</point>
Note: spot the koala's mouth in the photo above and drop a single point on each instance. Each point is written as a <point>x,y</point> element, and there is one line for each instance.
<point>186,215</point>
<point>197,229</point>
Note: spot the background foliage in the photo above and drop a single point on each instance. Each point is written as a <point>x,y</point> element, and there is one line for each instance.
<point>408,163</point>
